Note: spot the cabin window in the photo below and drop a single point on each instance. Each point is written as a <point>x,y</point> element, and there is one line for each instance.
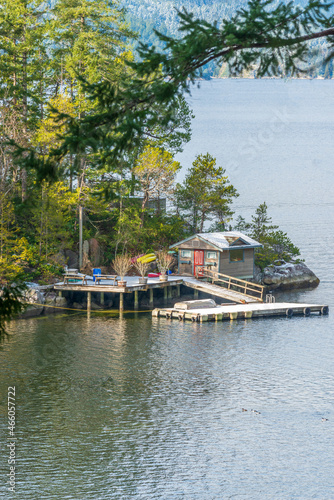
<point>186,254</point>
<point>211,255</point>
<point>236,255</point>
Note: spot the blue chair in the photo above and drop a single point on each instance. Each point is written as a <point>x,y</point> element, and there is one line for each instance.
<point>96,272</point>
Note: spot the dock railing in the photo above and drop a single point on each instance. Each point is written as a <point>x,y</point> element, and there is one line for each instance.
<point>242,286</point>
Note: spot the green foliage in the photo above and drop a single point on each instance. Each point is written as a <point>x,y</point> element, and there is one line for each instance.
<point>155,171</point>
<point>277,246</point>
<point>271,37</point>
<point>78,109</point>
<point>10,304</point>
<point>204,194</point>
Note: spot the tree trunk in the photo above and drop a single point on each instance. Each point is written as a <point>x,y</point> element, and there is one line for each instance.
<point>202,221</point>
<point>143,205</point>
<point>24,175</point>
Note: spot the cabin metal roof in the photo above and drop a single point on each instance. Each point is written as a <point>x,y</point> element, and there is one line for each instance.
<point>226,240</point>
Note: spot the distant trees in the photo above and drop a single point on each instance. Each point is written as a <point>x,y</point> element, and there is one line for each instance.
<point>206,193</point>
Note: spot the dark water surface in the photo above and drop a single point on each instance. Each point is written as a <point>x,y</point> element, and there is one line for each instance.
<point>130,408</point>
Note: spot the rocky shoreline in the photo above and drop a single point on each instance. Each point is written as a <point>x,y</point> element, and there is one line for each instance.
<point>287,276</point>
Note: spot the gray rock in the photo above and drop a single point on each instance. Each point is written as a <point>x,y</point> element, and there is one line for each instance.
<point>258,275</point>
<point>60,258</point>
<point>32,311</point>
<point>76,305</point>
<point>85,253</point>
<point>50,298</point>
<point>95,307</point>
<point>72,258</point>
<point>288,276</point>
<point>94,252</point>
<point>33,295</point>
<point>61,302</point>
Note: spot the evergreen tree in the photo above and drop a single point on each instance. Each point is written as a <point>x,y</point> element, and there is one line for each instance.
<point>23,66</point>
<point>271,37</point>
<point>261,224</point>
<point>277,246</point>
<point>205,193</point>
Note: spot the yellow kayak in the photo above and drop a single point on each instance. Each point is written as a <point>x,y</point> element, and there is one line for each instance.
<point>147,258</point>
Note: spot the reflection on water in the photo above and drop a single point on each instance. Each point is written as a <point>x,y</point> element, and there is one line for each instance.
<point>130,407</point>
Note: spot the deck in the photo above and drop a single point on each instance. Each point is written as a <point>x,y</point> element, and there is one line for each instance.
<point>132,285</point>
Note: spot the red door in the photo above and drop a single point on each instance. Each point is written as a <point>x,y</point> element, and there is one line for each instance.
<point>198,260</point>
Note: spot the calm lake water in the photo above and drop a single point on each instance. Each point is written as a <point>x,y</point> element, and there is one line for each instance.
<point>130,408</point>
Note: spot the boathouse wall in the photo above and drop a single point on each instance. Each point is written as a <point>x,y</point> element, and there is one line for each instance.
<point>186,264</point>
<point>242,269</point>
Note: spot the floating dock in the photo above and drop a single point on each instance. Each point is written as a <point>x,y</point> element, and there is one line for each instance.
<point>241,311</point>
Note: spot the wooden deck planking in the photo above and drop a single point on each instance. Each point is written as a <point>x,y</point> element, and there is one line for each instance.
<point>131,287</point>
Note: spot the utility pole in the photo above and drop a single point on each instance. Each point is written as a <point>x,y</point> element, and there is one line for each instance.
<point>80,238</point>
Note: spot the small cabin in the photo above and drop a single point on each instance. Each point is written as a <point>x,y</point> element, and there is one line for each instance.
<point>230,253</point>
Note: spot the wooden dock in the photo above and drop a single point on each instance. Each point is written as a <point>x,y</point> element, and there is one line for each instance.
<point>234,289</point>
<point>132,286</point>
<point>242,311</point>
<point>241,303</point>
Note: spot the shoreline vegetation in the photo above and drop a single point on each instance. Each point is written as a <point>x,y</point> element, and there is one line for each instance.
<point>89,128</point>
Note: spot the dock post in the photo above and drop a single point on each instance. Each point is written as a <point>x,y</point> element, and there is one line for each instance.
<point>195,294</point>
<point>89,301</point>
<point>165,294</point>
<point>136,299</point>
<point>178,288</point>
<point>102,298</point>
<point>169,289</point>
<point>151,297</point>
<point>121,301</point>
<point>60,293</point>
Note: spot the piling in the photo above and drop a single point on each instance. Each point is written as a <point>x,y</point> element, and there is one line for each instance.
<point>151,297</point>
<point>121,301</point>
<point>136,299</point>
<point>102,298</point>
<point>165,294</point>
<point>89,301</point>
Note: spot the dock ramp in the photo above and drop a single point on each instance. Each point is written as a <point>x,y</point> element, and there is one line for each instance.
<point>226,287</point>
